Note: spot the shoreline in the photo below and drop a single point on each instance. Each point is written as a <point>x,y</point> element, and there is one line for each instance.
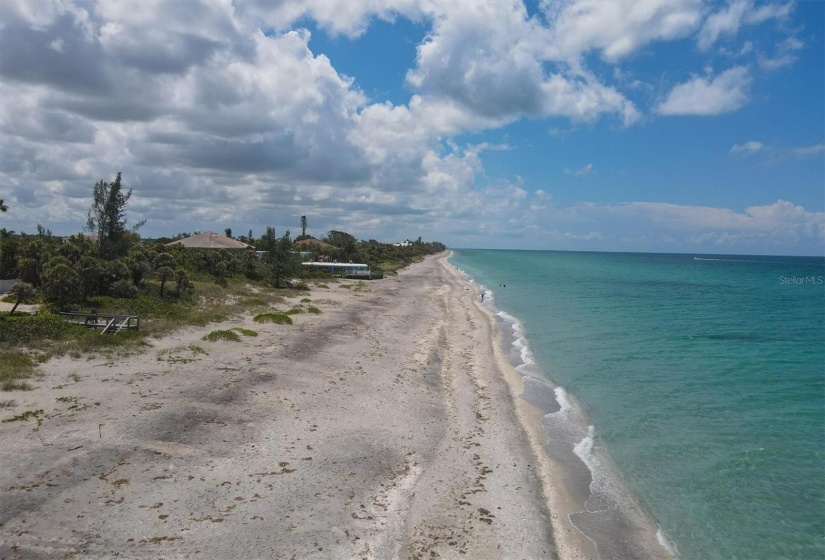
<point>571,542</point>
<point>575,473</point>
<point>384,427</point>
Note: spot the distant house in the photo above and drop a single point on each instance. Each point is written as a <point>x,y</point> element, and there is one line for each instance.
<point>210,240</point>
<point>312,243</point>
<point>342,270</point>
<point>93,238</point>
<point>405,243</point>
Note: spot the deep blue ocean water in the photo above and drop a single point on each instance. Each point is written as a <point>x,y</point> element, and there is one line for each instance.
<point>702,375</point>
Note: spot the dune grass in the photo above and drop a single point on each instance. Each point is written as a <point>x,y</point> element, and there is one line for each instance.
<point>277,318</point>
<point>222,335</point>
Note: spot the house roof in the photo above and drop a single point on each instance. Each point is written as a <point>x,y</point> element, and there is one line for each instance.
<point>209,240</point>
<point>316,242</point>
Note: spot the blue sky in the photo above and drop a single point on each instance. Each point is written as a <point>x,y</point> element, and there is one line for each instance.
<point>623,125</point>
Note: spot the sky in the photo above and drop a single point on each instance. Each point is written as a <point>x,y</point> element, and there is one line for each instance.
<point>686,126</point>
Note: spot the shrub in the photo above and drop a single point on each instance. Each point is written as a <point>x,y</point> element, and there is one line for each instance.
<point>293,311</point>
<point>222,335</point>
<point>23,329</point>
<point>277,318</point>
<point>124,289</point>
<point>61,284</point>
<point>245,332</point>
<point>313,310</point>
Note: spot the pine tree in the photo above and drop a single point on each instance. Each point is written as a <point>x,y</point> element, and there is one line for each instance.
<point>107,218</point>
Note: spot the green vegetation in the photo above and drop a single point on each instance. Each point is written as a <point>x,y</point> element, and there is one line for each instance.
<point>24,416</point>
<point>167,286</point>
<point>15,368</point>
<point>222,335</point>
<point>278,318</point>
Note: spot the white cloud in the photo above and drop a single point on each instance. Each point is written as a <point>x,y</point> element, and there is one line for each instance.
<point>217,124</point>
<point>727,21</point>
<point>617,28</point>
<point>776,154</point>
<point>725,93</point>
<point>491,60</point>
<point>748,148</point>
<point>808,151</point>
<point>785,55</point>
<point>582,171</point>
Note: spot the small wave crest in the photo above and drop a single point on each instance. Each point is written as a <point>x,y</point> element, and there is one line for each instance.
<point>520,343</point>
<point>665,541</point>
<point>584,451</point>
<point>564,402</point>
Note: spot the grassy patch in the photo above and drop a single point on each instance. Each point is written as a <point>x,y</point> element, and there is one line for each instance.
<point>293,311</point>
<point>222,335</point>
<point>15,368</point>
<point>277,318</point>
<point>46,335</point>
<point>313,310</point>
<point>306,300</point>
<point>245,332</point>
<point>24,329</point>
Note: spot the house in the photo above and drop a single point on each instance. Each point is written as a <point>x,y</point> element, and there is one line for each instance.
<point>210,240</point>
<point>314,244</point>
<point>342,270</point>
<point>405,243</point>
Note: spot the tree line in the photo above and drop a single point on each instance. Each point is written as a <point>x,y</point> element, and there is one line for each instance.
<point>115,262</point>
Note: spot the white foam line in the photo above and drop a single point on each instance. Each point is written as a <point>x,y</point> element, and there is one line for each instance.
<point>668,544</point>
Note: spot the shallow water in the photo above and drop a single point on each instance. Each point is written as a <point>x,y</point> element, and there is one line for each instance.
<point>703,378</point>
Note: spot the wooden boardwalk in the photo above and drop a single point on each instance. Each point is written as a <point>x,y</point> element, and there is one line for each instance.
<point>108,322</point>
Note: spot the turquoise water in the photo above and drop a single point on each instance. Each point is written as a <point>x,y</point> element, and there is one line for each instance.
<point>704,379</point>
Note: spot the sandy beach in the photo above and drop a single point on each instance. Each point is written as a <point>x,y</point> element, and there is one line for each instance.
<point>388,426</point>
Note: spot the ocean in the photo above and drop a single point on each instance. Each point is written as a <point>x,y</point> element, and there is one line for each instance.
<point>688,387</point>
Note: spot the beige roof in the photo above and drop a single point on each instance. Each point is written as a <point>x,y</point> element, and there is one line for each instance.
<point>317,242</point>
<point>209,240</point>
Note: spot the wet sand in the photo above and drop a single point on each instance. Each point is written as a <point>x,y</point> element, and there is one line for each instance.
<point>385,427</point>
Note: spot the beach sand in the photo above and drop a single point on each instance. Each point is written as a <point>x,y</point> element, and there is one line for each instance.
<point>385,427</point>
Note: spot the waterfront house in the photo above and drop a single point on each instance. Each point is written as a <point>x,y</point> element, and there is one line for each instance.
<point>210,240</point>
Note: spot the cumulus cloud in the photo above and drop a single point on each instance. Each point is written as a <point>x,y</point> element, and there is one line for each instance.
<point>220,112</point>
<point>705,96</point>
<point>619,28</point>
